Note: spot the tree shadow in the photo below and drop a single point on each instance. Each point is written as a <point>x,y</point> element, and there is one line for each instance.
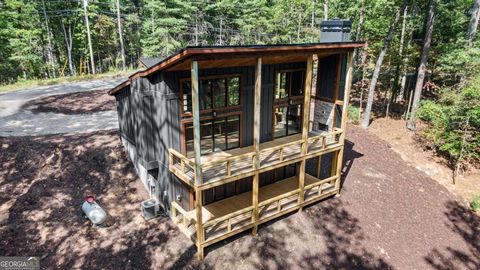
<point>349,156</point>
<point>43,182</point>
<point>466,224</point>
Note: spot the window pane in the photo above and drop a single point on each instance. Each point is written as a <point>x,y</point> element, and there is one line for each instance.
<point>187,96</point>
<point>219,134</point>
<point>281,85</point>
<point>219,92</point>
<point>189,140</point>
<point>297,83</point>
<point>205,95</point>
<point>233,91</point>
<point>280,122</point>
<point>294,118</point>
<point>233,131</point>
<point>206,141</point>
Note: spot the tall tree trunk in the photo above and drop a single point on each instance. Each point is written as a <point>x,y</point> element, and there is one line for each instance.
<point>400,66</point>
<point>473,25</point>
<point>314,3</point>
<point>358,33</point>
<point>378,65</point>
<point>120,35</point>
<point>49,42</point>
<point>411,123</point>
<point>325,9</point>
<point>68,45</point>
<point>92,62</point>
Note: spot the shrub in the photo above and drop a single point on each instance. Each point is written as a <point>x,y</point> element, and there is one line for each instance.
<point>353,114</point>
<point>455,121</point>
<point>475,203</point>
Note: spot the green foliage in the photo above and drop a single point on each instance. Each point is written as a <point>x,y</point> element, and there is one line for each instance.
<point>353,114</point>
<point>455,121</point>
<point>475,203</point>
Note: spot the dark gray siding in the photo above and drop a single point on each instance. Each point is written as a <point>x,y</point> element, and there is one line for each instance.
<point>149,116</point>
<point>125,115</point>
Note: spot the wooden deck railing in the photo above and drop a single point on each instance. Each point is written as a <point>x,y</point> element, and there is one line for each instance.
<point>239,166</point>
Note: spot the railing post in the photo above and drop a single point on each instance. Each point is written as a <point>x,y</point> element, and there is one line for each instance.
<point>306,111</point>
<point>198,165</point>
<point>256,140</point>
<point>346,97</point>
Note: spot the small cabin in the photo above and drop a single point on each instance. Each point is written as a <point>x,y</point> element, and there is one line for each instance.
<point>227,138</point>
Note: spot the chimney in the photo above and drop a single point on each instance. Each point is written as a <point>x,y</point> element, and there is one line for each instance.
<point>335,30</point>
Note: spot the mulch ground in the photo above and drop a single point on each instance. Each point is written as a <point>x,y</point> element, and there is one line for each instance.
<point>389,215</point>
<point>75,103</point>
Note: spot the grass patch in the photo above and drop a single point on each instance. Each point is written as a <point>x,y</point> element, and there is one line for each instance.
<point>21,84</point>
<point>353,114</point>
<point>475,203</point>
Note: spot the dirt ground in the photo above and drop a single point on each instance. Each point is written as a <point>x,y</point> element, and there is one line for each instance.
<point>407,145</point>
<point>390,215</point>
<point>73,103</point>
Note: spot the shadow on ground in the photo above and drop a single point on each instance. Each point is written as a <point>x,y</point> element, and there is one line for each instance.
<point>387,216</point>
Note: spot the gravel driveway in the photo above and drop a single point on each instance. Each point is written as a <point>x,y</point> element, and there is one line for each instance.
<point>15,121</point>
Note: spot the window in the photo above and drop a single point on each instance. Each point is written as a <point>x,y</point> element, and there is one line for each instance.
<point>216,93</point>
<point>216,134</point>
<point>287,120</point>
<point>287,114</point>
<point>289,84</point>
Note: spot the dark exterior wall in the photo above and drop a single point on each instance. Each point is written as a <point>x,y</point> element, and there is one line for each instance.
<point>149,116</point>
<point>126,116</point>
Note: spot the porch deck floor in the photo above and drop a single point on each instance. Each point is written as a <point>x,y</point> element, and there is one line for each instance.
<point>238,202</point>
<point>267,157</point>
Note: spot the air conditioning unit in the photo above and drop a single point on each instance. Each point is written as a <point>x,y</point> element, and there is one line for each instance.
<point>150,209</point>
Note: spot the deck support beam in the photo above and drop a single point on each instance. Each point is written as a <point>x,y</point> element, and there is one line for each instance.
<point>346,96</point>
<point>305,117</point>
<point>256,140</point>
<point>198,165</point>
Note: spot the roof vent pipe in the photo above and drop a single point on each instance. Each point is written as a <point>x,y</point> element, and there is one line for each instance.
<point>335,30</point>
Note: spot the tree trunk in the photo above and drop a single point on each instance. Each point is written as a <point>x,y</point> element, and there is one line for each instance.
<point>378,65</point>
<point>120,35</point>
<point>68,45</point>
<point>92,63</point>
<point>411,123</point>
<point>473,25</point>
<point>401,66</point>
<point>358,33</point>
<point>49,42</point>
<point>325,10</point>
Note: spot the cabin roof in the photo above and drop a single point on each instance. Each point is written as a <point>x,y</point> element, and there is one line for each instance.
<point>227,56</point>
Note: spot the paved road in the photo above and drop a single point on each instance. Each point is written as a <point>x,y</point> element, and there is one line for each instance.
<point>14,121</point>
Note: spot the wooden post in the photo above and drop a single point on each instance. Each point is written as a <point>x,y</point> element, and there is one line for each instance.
<point>198,165</point>
<point>346,98</point>
<point>306,115</point>
<point>256,140</point>
<point>196,123</point>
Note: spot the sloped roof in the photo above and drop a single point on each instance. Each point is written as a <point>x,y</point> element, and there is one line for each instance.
<point>218,53</point>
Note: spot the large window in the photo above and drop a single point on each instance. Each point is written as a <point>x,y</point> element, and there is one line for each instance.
<point>219,133</point>
<point>215,93</point>
<point>287,114</point>
<point>289,84</point>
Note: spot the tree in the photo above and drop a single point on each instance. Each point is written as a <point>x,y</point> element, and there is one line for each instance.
<point>473,25</point>
<point>378,65</point>
<point>411,123</point>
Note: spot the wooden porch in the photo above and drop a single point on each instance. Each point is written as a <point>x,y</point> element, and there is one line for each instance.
<point>235,214</point>
<point>225,166</point>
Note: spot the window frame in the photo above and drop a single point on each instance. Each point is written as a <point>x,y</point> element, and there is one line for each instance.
<point>287,101</point>
<point>184,122</point>
<point>212,101</point>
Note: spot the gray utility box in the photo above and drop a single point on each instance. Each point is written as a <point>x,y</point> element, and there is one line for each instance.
<point>150,209</point>
<point>335,31</point>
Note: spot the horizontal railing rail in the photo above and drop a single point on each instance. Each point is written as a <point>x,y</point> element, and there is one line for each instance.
<point>243,164</point>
